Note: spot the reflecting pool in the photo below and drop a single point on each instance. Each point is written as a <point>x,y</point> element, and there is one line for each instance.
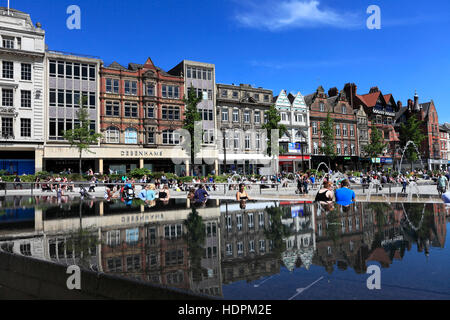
<point>263,250</point>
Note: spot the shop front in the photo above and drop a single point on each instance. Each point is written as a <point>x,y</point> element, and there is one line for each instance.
<point>20,159</point>
<point>293,164</point>
<point>17,162</point>
<point>116,160</point>
<point>243,163</point>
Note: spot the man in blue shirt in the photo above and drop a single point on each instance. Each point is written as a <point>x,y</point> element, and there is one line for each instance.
<point>201,195</point>
<point>345,196</point>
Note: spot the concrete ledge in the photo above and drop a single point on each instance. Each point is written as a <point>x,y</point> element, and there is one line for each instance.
<point>29,278</point>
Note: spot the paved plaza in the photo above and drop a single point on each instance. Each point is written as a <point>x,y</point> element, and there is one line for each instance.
<point>425,191</point>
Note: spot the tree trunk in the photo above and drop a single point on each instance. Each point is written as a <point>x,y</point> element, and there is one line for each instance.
<point>79,162</point>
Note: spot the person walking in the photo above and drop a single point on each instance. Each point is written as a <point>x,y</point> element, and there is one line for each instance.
<point>441,184</point>
<point>404,184</point>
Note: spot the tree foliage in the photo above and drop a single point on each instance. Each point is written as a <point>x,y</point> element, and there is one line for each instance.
<point>376,145</point>
<point>273,123</point>
<point>411,131</point>
<point>82,136</point>
<point>191,116</point>
<point>328,139</point>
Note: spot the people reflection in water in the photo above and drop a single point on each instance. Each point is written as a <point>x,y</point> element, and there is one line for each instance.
<point>201,195</point>
<point>164,194</point>
<point>243,204</point>
<point>242,195</point>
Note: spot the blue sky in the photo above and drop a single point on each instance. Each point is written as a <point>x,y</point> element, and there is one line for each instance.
<point>295,45</point>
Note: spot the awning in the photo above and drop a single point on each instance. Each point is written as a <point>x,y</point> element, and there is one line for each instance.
<point>244,156</point>
<point>294,158</point>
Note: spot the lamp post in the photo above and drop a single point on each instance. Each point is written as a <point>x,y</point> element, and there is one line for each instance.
<point>224,152</point>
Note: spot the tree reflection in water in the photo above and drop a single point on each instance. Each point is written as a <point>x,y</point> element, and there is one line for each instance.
<point>195,238</point>
<point>276,232</point>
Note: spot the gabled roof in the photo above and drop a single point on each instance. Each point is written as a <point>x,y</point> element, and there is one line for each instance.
<point>291,98</point>
<point>369,99</point>
<point>332,101</point>
<point>135,66</point>
<point>399,114</point>
<point>117,66</point>
<point>387,97</point>
<point>425,107</point>
<point>309,99</point>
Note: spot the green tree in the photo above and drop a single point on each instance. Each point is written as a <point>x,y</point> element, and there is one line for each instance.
<point>82,136</point>
<point>411,131</point>
<point>273,123</point>
<point>376,145</point>
<point>327,129</point>
<point>195,237</point>
<point>191,116</point>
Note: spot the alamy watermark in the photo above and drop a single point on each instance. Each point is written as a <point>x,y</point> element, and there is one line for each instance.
<point>74,280</point>
<point>374,20</point>
<point>374,281</point>
<point>73,22</point>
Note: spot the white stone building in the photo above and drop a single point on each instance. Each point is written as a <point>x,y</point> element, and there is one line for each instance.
<point>295,144</point>
<point>22,52</point>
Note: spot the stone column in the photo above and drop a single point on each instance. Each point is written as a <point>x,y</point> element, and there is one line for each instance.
<point>101,208</point>
<point>186,163</point>
<point>216,166</point>
<point>100,166</point>
<point>141,163</point>
<point>38,159</point>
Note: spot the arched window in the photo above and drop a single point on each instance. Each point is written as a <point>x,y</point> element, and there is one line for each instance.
<point>344,110</point>
<point>112,135</point>
<point>131,136</point>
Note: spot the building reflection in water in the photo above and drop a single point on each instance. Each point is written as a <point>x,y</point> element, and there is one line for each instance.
<point>151,244</point>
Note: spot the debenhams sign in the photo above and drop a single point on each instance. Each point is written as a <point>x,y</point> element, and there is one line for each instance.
<point>141,153</point>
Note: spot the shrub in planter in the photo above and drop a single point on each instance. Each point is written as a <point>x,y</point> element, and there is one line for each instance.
<point>8,178</point>
<point>140,172</point>
<point>42,174</point>
<point>185,179</point>
<point>220,179</point>
<point>76,177</point>
<point>157,175</point>
<point>28,178</point>
<point>171,176</point>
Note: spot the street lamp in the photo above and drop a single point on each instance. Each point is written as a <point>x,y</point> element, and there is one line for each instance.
<point>224,152</point>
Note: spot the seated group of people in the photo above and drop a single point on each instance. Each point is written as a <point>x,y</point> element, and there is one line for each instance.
<point>343,196</point>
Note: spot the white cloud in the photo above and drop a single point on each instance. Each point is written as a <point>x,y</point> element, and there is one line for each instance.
<point>280,15</point>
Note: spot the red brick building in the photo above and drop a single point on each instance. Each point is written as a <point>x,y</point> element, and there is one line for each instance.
<point>140,107</point>
<point>431,147</point>
<point>381,111</point>
<point>345,127</point>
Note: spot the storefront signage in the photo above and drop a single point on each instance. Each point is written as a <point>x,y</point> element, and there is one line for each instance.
<point>140,153</point>
<point>295,147</point>
<point>386,113</point>
<point>294,158</point>
<point>376,160</point>
<point>347,158</point>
